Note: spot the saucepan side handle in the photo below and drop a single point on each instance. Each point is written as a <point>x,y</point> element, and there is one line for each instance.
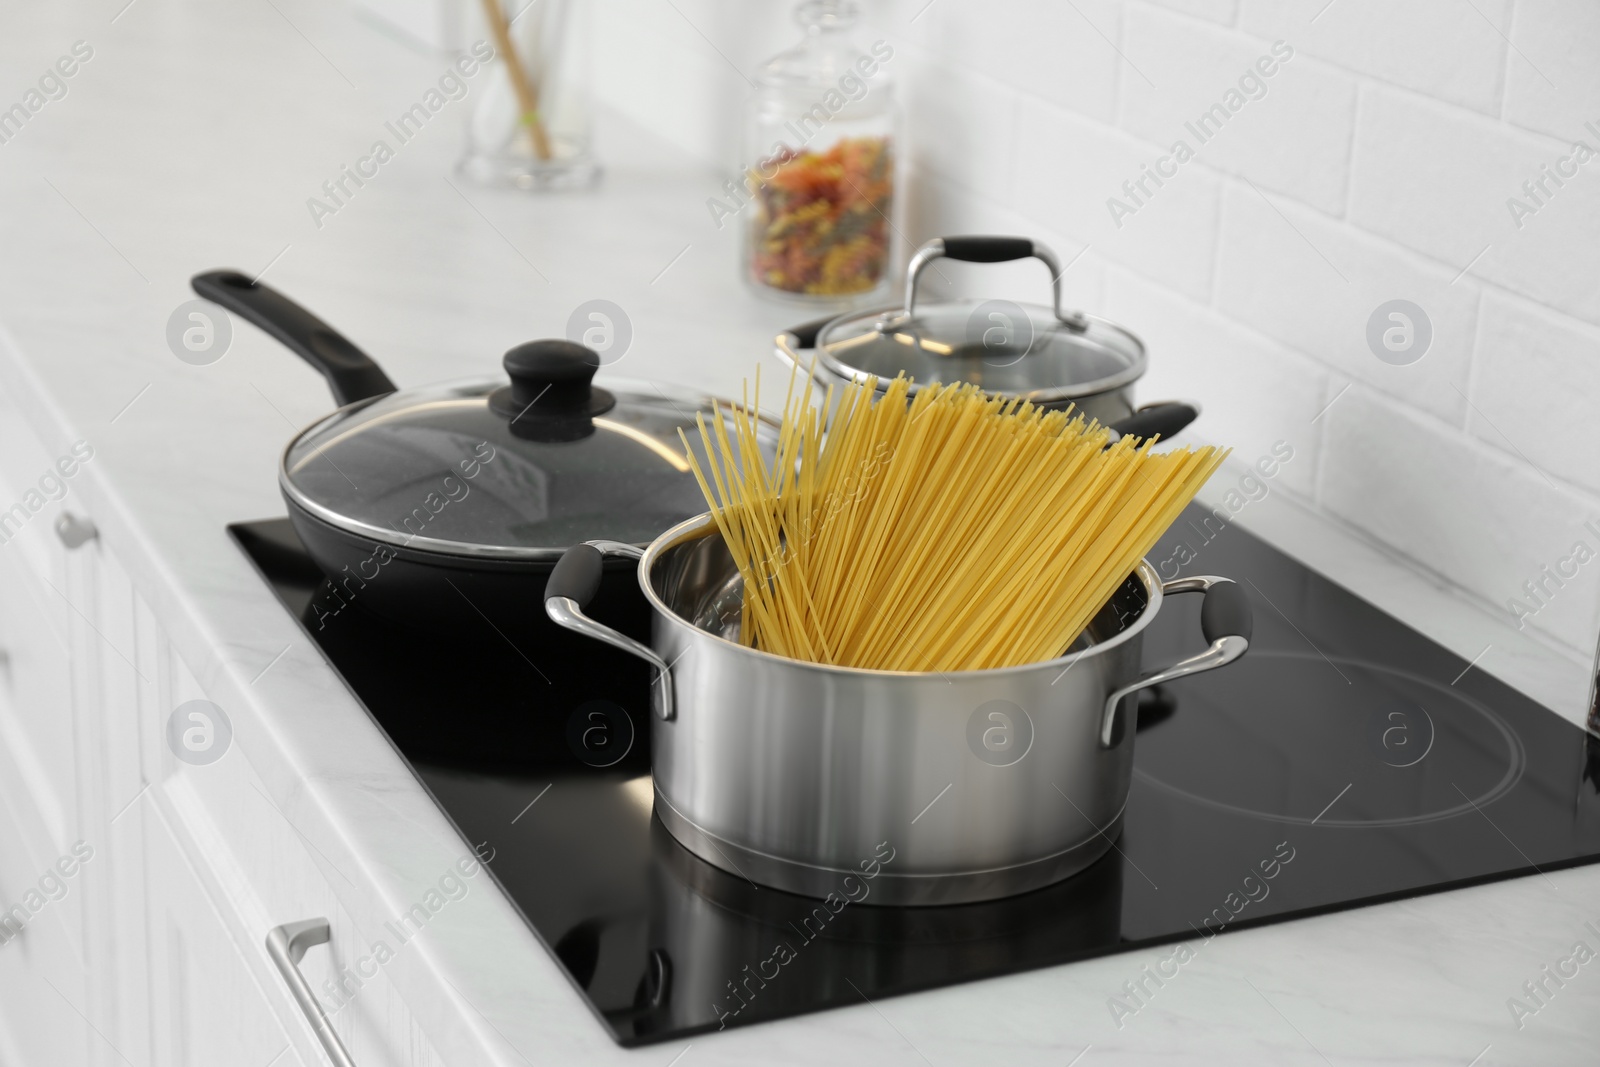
<point>795,348</point>
<point>574,582</point>
<point>1164,420</point>
<point>800,338</point>
<point>1225,620</point>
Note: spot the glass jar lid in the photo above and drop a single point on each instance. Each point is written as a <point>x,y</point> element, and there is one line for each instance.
<point>822,57</point>
<point>522,470</point>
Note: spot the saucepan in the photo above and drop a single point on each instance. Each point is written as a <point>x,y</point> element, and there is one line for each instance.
<point>980,784</point>
<point>447,506</point>
<point>1050,356</point>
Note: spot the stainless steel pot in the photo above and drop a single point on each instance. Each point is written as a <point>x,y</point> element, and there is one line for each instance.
<point>797,775</point>
<point>1050,356</point>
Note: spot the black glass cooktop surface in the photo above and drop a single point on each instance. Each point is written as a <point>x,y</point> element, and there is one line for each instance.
<point>1345,760</point>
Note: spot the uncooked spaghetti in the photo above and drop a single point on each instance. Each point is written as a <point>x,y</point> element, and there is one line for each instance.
<point>942,531</point>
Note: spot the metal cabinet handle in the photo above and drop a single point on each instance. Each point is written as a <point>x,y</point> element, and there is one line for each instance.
<point>73,531</point>
<point>287,945</point>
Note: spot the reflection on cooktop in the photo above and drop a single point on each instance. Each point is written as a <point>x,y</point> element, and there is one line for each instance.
<point>1344,760</point>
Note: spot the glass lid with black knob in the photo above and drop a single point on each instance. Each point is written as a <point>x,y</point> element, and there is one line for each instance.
<point>1048,354</point>
<point>513,470</point>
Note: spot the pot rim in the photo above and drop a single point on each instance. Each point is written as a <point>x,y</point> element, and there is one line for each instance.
<point>462,549</point>
<point>704,525</point>
<point>1123,378</point>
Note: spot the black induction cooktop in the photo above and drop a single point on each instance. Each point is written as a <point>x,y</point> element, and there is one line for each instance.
<point>1345,760</point>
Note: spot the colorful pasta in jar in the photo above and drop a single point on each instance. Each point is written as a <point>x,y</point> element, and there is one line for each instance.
<point>821,173</point>
<point>822,221</point>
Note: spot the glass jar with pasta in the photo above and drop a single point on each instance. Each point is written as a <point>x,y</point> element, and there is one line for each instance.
<point>820,165</point>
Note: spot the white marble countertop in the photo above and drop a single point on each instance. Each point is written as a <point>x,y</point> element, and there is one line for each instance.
<point>192,140</point>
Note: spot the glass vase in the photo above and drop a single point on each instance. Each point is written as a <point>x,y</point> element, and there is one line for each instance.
<point>533,126</point>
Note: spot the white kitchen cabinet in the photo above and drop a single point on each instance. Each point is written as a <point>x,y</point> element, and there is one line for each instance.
<point>155,952</point>
<point>206,1006</point>
<point>42,985</point>
<point>251,854</point>
<point>116,673</point>
<point>37,721</point>
<point>47,995</point>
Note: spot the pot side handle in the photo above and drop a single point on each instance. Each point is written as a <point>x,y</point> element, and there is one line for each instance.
<point>570,587</point>
<point>1225,621</point>
<point>1164,420</point>
<point>805,335</point>
<point>352,374</point>
<point>790,346</point>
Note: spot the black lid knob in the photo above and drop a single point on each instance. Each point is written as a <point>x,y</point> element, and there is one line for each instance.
<point>551,379</point>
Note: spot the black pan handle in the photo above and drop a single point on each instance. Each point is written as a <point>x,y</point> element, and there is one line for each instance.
<point>351,373</point>
<point>1164,419</point>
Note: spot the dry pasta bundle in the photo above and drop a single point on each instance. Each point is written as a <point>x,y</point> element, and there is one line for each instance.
<point>942,531</point>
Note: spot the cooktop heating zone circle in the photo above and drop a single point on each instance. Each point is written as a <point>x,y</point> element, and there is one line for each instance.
<point>1329,741</point>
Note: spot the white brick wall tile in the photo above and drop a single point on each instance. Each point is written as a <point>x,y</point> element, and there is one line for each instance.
<point>1389,144</point>
<point>1477,517</point>
<point>1252,393</point>
<point>1554,257</point>
<point>1434,178</point>
<point>1537,382</point>
<point>1060,52</point>
<point>960,126</point>
<point>1272,276</point>
<point>1219,11</point>
<point>1303,104</point>
<point>1552,78</point>
<point>1438,47</point>
<point>1066,171</point>
<point>1438,180</point>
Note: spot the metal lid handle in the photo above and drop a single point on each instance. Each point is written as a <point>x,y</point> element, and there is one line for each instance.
<point>985,249</point>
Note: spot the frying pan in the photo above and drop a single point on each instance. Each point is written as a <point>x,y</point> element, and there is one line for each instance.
<point>446,507</point>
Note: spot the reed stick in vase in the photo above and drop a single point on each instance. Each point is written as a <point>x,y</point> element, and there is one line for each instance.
<point>527,92</point>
